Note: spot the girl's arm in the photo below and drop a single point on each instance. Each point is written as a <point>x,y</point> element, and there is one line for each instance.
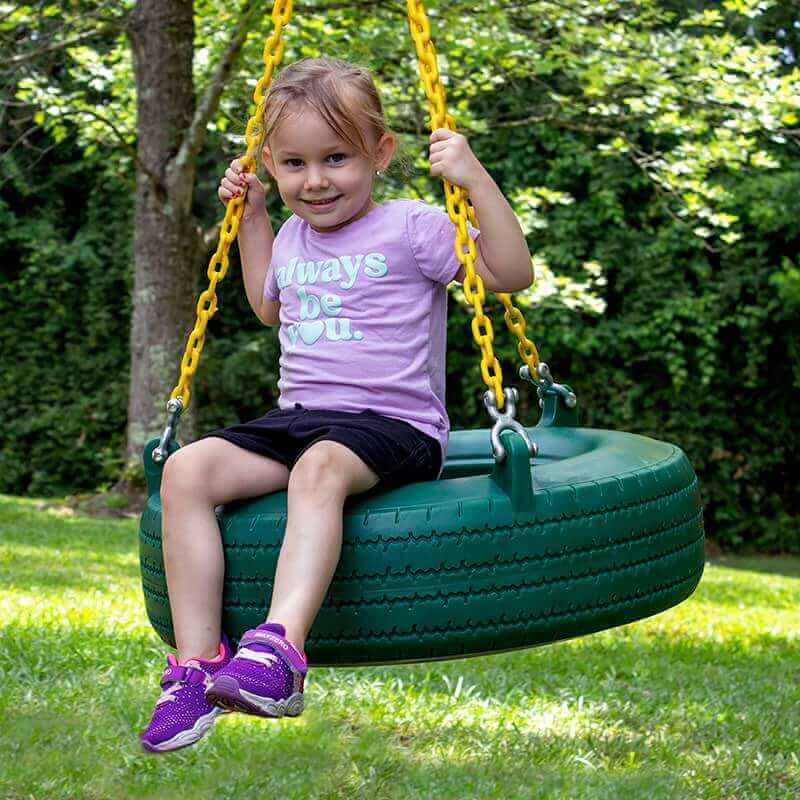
<point>271,312</point>
<point>503,262</point>
<point>255,236</point>
<point>255,250</point>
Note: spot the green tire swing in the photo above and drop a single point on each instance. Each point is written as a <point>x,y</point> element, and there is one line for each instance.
<point>530,535</point>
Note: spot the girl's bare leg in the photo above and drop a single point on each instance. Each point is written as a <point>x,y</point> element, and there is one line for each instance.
<point>319,483</point>
<point>198,477</point>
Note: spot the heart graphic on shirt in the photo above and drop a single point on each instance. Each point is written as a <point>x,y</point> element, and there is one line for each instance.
<point>311,331</point>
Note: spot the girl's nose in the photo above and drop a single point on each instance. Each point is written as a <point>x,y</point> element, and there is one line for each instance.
<point>315,179</point>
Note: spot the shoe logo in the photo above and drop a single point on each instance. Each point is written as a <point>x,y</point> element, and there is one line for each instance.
<point>270,637</point>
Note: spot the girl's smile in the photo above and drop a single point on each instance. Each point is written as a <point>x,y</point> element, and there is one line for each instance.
<point>322,206</point>
<point>321,177</point>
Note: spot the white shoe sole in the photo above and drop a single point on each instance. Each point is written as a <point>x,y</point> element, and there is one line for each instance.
<point>187,737</point>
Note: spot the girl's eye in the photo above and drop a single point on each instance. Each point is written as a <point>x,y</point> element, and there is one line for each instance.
<point>335,158</point>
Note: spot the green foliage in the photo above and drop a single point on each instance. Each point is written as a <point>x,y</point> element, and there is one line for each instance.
<point>696,345</point>
<point>646,147</point>
<point>65,309</point>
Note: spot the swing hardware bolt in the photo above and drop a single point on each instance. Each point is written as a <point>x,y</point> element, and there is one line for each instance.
<point>174,408</point>
<point>546,385</point>
<point>505,421</point>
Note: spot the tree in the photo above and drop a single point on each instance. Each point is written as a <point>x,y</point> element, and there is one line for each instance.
<point>169,246</point>
<point>674,89</point>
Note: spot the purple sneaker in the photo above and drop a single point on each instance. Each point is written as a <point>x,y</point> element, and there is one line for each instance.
<point>182,715</point>
<point>264,678</point>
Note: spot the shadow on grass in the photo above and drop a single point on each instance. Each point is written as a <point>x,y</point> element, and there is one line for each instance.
<point>51,569</point>
<point>324,758</point>
<point>605,669</point>
<point>635,711</point>
<point>649,705</point>
<point>22,523</point>
<point>58,553</point>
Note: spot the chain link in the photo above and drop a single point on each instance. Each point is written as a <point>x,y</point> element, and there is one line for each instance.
<point>515,322</point>
<point>218,265</point>
<point>456,198</point>
<point>459,210</point>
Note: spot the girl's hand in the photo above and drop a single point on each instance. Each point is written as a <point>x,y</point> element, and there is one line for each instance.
<point>236,183</point>
<point>452,158</point>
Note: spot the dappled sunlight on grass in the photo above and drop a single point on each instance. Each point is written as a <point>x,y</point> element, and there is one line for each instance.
<point>741,588</point>
<point>94,610</point>
<point>700,701</point>
<point>52,570</point>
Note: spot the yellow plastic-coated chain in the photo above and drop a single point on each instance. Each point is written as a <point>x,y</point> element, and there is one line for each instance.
<point>218,265</point>
<point>456,199</point>
<point>513,316</point>
<point>516,324</point>
<point>515,321</point>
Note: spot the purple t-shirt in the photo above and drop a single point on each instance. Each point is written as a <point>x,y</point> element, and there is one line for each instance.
<point>363,313</point>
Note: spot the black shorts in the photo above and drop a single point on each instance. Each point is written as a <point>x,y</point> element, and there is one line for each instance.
<point>396,451</point>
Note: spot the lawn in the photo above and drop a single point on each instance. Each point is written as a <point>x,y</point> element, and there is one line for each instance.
<point>702,701</point>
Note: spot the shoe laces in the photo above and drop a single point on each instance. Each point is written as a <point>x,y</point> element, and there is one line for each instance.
<point>169,695</point>
<point>260,656</point>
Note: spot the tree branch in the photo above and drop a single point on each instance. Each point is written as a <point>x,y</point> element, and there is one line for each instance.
<point>152,177</point>
<point>42,153</point>
<point>210,235</point>
<point>114,26</point>
<point>21,139</point>
<point>196,135</point>
<point>207,107</point>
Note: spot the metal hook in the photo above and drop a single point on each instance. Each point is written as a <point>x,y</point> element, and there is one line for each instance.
<point>545,384</point>
<point>174,408</point>
<point>505,421</point>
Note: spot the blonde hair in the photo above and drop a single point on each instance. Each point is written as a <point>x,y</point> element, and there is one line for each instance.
<point>343,94</point>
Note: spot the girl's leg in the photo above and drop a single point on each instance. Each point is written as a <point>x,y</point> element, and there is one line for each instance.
<point>198,477</point>
<point>319,483</point>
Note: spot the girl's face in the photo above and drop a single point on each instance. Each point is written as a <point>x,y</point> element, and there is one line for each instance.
<point>321,177</point>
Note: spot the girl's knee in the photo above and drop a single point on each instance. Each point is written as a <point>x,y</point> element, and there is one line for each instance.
<point>328,468</point>
<point>316,470</point>
<point>182,476</point>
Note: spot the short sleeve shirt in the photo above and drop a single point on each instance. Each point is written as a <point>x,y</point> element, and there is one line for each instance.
<point>363,313</point>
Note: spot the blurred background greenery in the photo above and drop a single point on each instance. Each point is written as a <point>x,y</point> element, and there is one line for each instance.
<point>650,150</point>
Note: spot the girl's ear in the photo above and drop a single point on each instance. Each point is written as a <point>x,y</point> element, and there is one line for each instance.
<point>266,157</point>
<point>384,151</point>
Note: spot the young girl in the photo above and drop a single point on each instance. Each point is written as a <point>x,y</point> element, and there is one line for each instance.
<point>359,291</point>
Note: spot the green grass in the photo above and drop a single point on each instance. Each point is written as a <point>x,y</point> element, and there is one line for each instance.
<point>701,701</point>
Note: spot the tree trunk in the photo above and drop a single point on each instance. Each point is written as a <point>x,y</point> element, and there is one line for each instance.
<point>166,237</point>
